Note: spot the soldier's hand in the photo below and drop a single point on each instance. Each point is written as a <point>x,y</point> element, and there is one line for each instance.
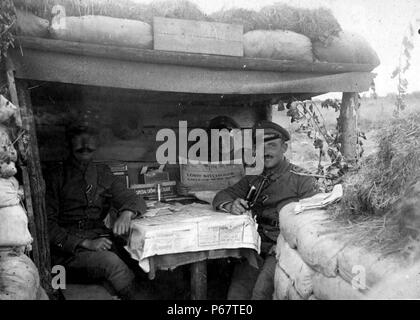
<point>239,206</point>
<point>100,244</point>
<point>122,224</point>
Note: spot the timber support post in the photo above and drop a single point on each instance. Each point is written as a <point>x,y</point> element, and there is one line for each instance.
<point>33,182</point>
<point>347,123</point>
<point>37,186</point>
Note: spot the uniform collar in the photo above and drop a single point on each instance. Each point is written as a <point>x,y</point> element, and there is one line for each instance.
<point>78,165</point>
<point>278,170</point>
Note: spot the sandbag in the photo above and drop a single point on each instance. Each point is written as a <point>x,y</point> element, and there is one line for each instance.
<point>293,294</point>
<point>14,227</point>
<point>9,192</point>
<point>403,284</point>
<point>7,150</point>
<point>347,47</point>
<point>19,277</point>
<point>7,169</point>
<point>103,30</point>
<point>278,45</point>
<point>336,288</point>
<point>318,250</point>
<point>372,266</point>
<point>282,284</point>
<point>290,222</point>
<point>306,231</point>
<point>7,109</point>
<point>298,271</point>
<point>28,24</point>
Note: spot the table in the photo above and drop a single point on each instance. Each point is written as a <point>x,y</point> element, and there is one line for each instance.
<point>192,234</point>
<point>198,265</point>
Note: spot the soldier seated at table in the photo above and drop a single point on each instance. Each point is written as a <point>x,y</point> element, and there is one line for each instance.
<point>285,184</point>
<point>79,194</point>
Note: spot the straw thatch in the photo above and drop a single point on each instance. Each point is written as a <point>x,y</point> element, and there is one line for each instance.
<point>381,202</point>
<point>317,24</point>
<point>250,19</point>
<point>385,177</point>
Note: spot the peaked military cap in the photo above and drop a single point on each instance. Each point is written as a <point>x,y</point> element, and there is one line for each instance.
<point>86,122</point>
<point>272,130</point>
<point>223,122</point>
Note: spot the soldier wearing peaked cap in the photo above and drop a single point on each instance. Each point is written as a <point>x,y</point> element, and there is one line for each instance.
<point>79,194</point>
<point>283,183</point>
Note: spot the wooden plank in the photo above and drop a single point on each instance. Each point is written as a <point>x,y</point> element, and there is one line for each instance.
<point>188,59</point>
<point>63,94</point>
<point>197,37</point>
<point>37,186</point>
<point>30,213</point>
<point>87,70</point>
<point>199,280</point>
<point>22,152</point>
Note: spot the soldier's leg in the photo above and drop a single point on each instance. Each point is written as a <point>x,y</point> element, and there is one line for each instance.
<point>243,281</point>
<point>264,285</point>
<point>99,266</point>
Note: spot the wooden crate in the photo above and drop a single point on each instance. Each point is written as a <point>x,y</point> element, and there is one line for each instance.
<point>198,37</point>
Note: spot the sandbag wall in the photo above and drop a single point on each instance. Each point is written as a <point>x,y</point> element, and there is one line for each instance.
<point>277,44</point>
<point>19,278</point>
<point>315,262</point>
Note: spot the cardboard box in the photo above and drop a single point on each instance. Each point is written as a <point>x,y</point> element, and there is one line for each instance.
<point>120,170</point>
<point>150,191</point>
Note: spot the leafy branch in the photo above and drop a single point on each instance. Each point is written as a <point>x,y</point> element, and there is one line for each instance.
<point>400,71</point>
<point>312,122</point>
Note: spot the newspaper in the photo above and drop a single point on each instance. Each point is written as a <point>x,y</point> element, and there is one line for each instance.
<point>210,176</point>
<point>193,227</point>
<point>205,195</point>
<point>320,200</point>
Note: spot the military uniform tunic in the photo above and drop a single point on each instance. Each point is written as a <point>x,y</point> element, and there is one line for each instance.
<point>286,184</point>
<point>77,201</point>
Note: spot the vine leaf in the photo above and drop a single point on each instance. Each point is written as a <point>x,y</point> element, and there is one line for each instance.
<point>395,72</point>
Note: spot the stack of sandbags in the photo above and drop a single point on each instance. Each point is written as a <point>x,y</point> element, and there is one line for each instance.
<point>294,276</point>
<point>19,277</point>
<point>277,45</point>
<point>101,30</point>
<point>347,47</point>
<point>314,262</point>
